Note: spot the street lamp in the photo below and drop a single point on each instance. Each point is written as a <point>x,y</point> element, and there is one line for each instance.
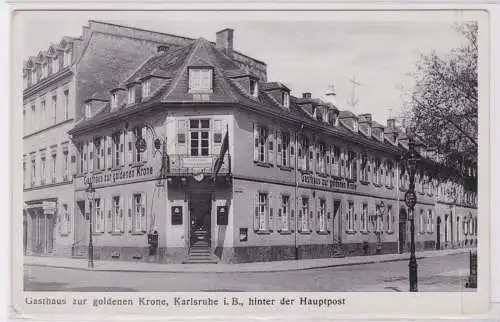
<point>380,226</point>
<point>411,200</point>
<point>91,196</point>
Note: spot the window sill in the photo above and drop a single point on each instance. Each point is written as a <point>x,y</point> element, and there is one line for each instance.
<point>285,168</point>
<point>97,233</point>
<point>364,232</point>
<point>323,232</point>
<point>350,232</point>
<point>116,233</point>
<point>263,232</point>
<point>389,232</point>
<point>364,182</point>
<point>305,232</point>
<point>263,164</point>
<point>285,232</point>
<point>137,233</point>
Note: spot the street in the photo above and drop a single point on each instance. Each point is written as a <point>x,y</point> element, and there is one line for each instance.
<point>439,274</point>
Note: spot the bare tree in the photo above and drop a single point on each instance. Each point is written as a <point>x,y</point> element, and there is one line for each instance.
<point>443,106</point>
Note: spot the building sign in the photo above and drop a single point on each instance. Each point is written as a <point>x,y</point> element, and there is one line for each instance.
<point>330,183</point>
<point>197,163</point>
<point>118,176</point>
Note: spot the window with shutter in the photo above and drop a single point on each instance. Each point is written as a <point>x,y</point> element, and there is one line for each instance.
<point>322,221</point>
<point>201,80</point>
<point>270,146</point>
<point>256,140</point>
<point>284,213</point>
<point>305,215</point>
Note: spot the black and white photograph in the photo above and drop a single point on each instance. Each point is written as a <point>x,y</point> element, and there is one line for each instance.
<point>226,155</point>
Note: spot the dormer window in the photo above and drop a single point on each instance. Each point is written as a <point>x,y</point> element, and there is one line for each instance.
<point>114,101</point>
<point>67,57</point>
<point>131,95</point>
<point>146,88</point>
<point>88,111</point>
<point>55,64</point>
<point>200,80</point>
<point>285,99</point>
<point>34,77</point>
<point>254,88</point>
<point>45,70</point>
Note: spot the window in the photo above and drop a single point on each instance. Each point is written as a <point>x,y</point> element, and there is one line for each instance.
<point>390,218</point>
<point>114,101</point>
<point>254,87</point>
<point>33,171</point>
<point>200,80</point>
<point>262,212</point>
<point>65,220</point>
<point>116,215</point>
<point>139,213</point>
<point>262,144</point>
<point>321,158</point>
<point>322,216</point>
<point>45,70</point>
<point>351,164</point>
<point>422,222</point>
<point>304,215</point>
<point>43,111</point>
<point>303,154</point>
<point>55,64</point>
<point>364,217</point>
<point>284,213</point>
<point>285,98</point>
<point>88,110</point>
<point>67,57</point>
<point>99,153</point>
<point>66,104</point>
<point>430,221</point>
<point>350,216</point>
<point>98,215</point>
<point>34,76</point>
<point>283,148</point>
<point>24,174</point>
<point>53,169</point>
<point>65,166</point>
<point>181,131</point>
<point>377,171</point>
<point>137,155</point>
<point>199,137</point>
<point>336,161</point>
<point>131,95</point>
<point>43,171</point>
<point>33,117</point>
<point>117,150</point>
<point>364,168</point>
<point>146,88</point>
<point>389,174</point>
<point>54,109</point>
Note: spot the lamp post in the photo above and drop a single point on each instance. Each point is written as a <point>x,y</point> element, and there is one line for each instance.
<point>411,200</point>
<point>380,226</point>
<point>91,195</point>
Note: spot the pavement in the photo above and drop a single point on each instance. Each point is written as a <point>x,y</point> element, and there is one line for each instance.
<point>274,266</point>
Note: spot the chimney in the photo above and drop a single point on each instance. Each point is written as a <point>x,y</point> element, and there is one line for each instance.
<point>391,124</point>
<point>224,40</point>
<point>306,95</point>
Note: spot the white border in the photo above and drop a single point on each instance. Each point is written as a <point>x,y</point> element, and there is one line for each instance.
<point>402,298</point>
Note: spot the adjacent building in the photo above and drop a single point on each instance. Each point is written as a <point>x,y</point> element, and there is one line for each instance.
<point>196,149</point>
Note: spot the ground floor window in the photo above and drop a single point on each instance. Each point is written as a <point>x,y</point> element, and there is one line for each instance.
<point>350,216</point>
<point>139,212</point>
<point>430,220</point>
<point>322,223</point>
<point>261,211</point>
<point>284,213</point>
<point>364,217</point>
<point>304,215</point>
<point>117,219</point>
<point>98,216</point>
<point>390,218</point>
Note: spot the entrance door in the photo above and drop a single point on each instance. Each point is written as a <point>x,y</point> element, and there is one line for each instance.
<point>200,219</point>
<point>438,233</point>
<point>402,230</point>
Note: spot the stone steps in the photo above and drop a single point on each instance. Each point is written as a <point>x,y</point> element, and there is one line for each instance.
<point>200,253</point>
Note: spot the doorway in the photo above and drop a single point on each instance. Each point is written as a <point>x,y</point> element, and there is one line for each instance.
<point>200,210</point>
<point>402,230</point>
<point>438,233</point>
<point>337,236</point>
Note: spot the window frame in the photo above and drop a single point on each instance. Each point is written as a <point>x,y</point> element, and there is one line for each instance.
<point>196,80</point>
<point>200,131</point>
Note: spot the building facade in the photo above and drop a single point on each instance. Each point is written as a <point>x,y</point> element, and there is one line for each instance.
<point>197,150</point>
<point>56,82</point>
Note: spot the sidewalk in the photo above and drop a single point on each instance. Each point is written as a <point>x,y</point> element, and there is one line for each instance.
<point>275,266</point>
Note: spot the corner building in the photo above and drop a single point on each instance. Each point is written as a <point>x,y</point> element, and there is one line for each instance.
<point>197,147</point>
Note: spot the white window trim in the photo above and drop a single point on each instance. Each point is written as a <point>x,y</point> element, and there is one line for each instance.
<point>196,80</point>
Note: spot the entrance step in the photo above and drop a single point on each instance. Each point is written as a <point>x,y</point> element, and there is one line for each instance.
<point>200,253</point>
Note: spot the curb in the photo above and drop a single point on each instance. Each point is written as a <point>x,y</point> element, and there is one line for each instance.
<point>367,262</point>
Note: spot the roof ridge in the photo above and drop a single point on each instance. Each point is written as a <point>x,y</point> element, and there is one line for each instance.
<point>140,29</point>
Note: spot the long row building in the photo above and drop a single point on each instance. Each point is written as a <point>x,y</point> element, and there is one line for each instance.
<point>196,157</point>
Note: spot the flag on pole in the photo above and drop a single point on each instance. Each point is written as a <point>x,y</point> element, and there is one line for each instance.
<point>220,159</point>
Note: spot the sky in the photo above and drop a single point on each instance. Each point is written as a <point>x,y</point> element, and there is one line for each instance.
<point>308,52</point>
